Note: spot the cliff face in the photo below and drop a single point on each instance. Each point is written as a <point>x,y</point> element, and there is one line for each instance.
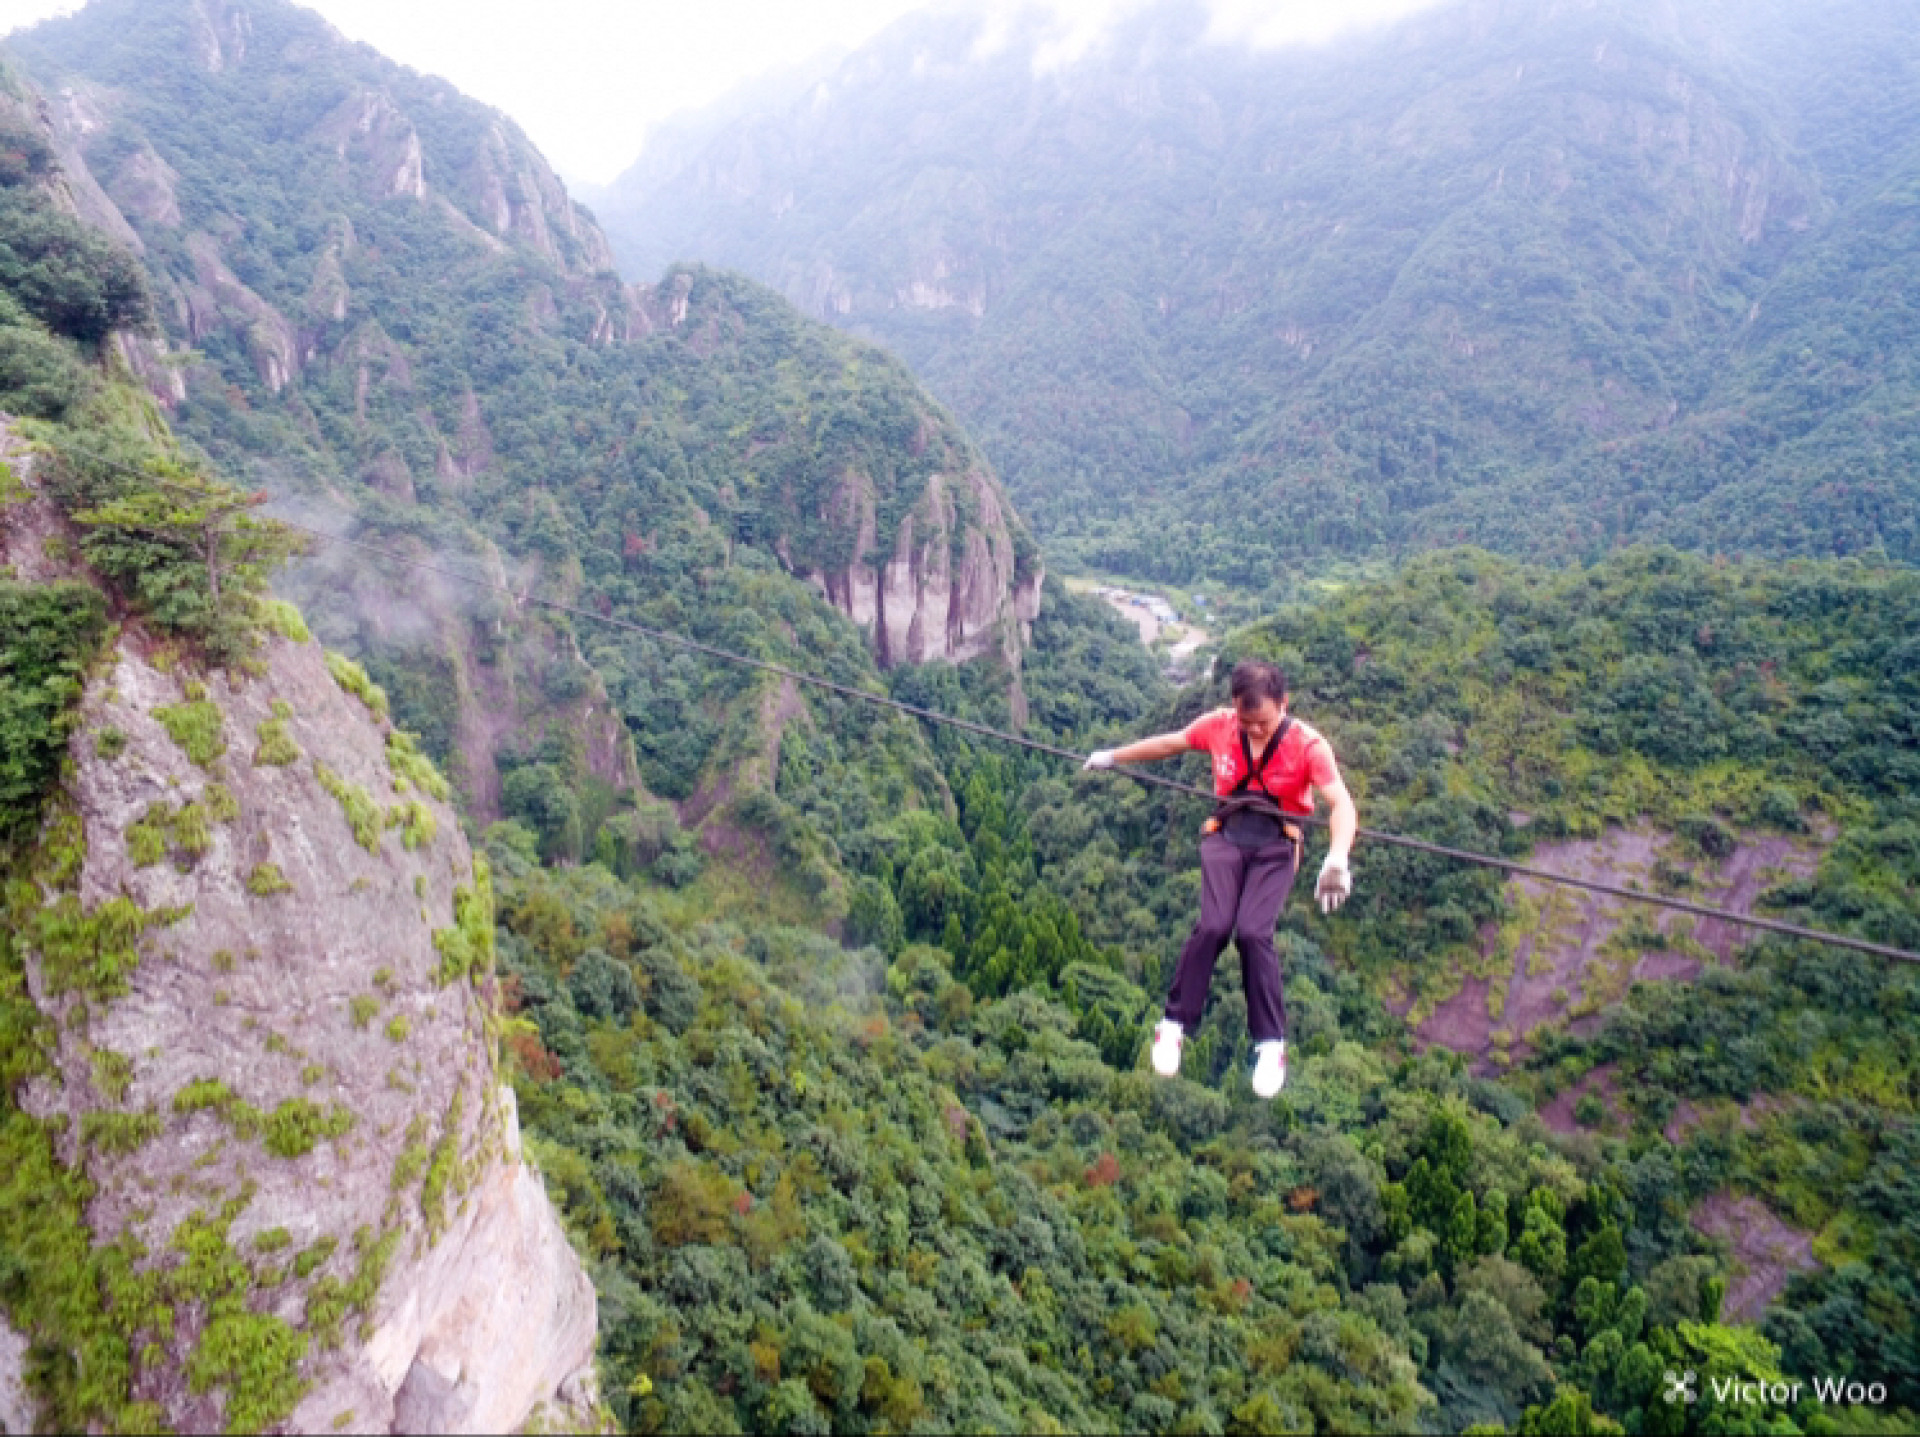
<point>869,492</point>
<point>946,588</point>
<point>261,954</point>
<point>482,179</point>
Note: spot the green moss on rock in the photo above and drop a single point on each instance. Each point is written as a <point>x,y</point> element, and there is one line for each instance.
<point>266,880</point>
<point>195,726</point>
<point>310,1259</point>
<point>112,1073</point>
<point>351,677</point>
<point>90,951</point>
<point>417,824</point>
<point>254,1356</point>
<point>466,949</point>
<point>329,1300</point>
<point>291,1130</point>
<point>109,1131</point>
<point>412,768</point>
<point>203,1094</point>
<point>185,832</point>
<point>441,1166</point>
<point>363,816</point>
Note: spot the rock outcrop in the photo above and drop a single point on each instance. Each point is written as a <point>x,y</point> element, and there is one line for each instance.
<point>370,133</point>
<point>275,1064</point>
<point>947,588</point>
<point>16,1403</point>
<point>218,299</point>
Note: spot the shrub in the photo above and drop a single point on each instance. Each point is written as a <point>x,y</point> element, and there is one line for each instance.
<point>49,634</point>
<point>70,277</point>
<point>195,727</point>
<point>274,745</point>
<point>351,677</point>
<point>466,949</point>
<point>266,879</point>
<point>282,618</point>
<point>40,378</point>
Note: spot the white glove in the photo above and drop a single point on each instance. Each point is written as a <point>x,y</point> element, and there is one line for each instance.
<point>1099,758</point>
<point>1335,885</point>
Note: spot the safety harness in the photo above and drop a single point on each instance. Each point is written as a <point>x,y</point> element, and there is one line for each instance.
<point>1242,797</point>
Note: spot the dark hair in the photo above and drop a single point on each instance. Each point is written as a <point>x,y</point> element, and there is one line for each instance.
<point>1256,679</point>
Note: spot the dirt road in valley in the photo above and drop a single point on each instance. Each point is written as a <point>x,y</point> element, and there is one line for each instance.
<point>1135,608</point>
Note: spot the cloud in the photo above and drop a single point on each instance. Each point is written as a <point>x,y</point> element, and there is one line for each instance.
<point>1266,24</point>
<point>588,78</point>
<point>1063,32</point>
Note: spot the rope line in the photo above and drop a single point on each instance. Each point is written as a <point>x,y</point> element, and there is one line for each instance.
<point>1395,840</point>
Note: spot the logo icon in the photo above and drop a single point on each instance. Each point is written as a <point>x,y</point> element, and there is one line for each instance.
<point>1680,1387</point>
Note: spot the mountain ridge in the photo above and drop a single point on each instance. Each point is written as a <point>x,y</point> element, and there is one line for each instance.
<point>394,311</point>
<point>1417,287</point>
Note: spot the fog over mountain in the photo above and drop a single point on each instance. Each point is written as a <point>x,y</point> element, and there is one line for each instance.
<point>1542,276</point>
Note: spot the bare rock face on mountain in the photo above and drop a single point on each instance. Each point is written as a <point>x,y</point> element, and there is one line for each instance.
<point>261,952</point>
<point>949,589</point>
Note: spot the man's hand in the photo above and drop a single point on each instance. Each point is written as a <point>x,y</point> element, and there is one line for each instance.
<point>1335,885</point>
<point>1099,758</point>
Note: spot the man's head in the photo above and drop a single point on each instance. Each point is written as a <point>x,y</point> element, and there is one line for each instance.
<point>1259,695</point>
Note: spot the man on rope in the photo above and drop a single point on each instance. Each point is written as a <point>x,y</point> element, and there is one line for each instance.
<point>1265,766</point>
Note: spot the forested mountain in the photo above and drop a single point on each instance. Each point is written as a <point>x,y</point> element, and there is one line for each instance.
<point>1543,277</point>
<point>931,1182</point>
<point>826,1026</point>
<point>380,297</point>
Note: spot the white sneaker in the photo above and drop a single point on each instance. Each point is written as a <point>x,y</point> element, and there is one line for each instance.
<point>1269,1068</point>
<point>1167,1038</point>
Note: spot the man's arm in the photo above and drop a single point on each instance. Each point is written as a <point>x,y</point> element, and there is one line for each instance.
<point>1147,750</point>
<point>1335,885</point>
<point>1343,822</point>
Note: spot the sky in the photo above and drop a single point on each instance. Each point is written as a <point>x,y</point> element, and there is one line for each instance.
<point>586,78</point>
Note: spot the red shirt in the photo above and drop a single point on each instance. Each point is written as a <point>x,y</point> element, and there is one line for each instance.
<point>1303,758</point>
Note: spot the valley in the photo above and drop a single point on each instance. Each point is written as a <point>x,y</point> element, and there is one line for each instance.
<point>1152,616</point>
<point>475,1006</point>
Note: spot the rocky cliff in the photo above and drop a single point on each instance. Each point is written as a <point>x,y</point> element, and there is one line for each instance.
<point>276,1178</point>
<point>880,502</point>
<point>941,588</point>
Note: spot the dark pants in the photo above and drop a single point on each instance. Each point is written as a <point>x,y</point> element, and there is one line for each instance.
<point>1242,891</point>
